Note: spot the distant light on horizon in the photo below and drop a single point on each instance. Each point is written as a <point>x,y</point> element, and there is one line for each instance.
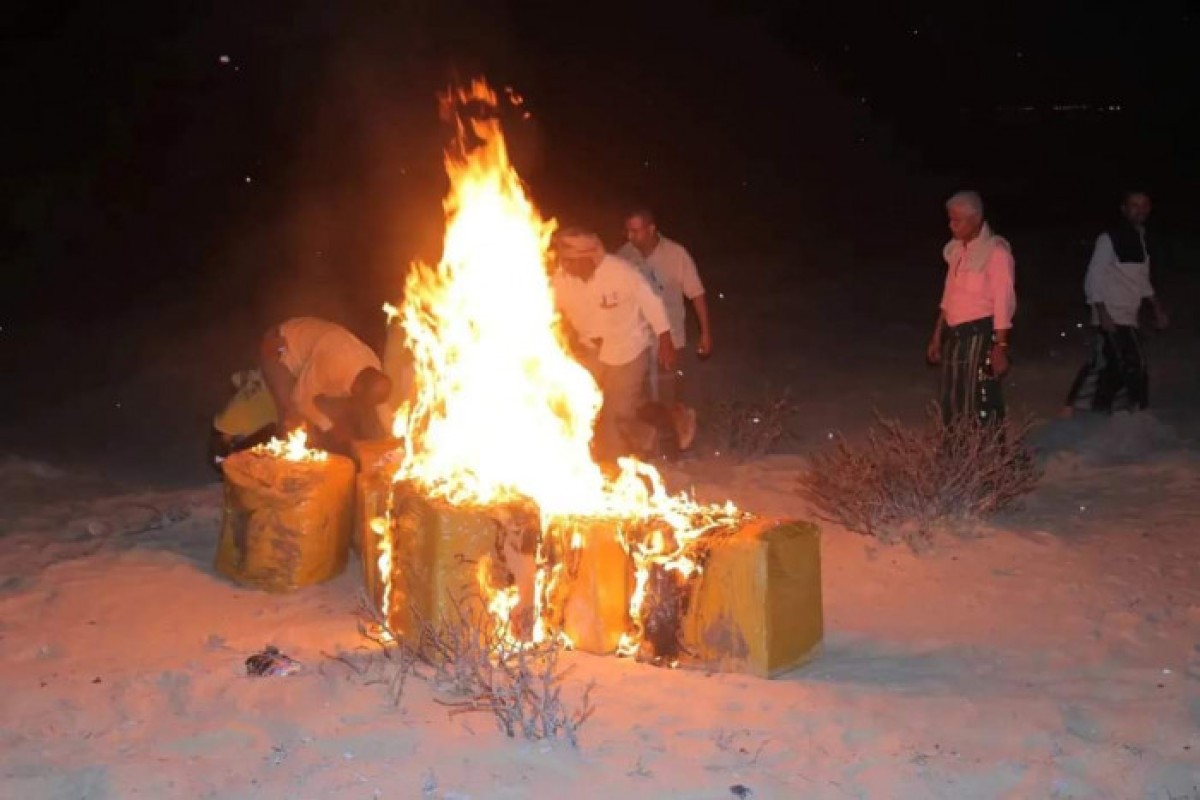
<point>1063,108</point>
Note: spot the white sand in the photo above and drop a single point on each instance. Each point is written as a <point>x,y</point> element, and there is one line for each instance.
<point>1058,655</point>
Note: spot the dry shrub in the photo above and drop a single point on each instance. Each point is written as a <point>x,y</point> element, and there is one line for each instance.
<point>747,430</point>
<point>902,482</point>
<point>473,660</point>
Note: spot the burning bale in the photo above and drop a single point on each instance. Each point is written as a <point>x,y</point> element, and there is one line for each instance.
<point>376,462</point>
<point>757,607</point>
<point>287,517</point>
<point>742,597</point>
<point>435,556</point>
<point>596,584</point>
<point>496,495</point>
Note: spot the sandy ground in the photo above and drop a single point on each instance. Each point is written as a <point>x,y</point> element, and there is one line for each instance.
<point>1056,655</point>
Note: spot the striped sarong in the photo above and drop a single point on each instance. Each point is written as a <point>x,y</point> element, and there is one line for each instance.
<point>968,386</point>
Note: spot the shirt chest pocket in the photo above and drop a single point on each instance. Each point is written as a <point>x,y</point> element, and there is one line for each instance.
<point>971,281</point>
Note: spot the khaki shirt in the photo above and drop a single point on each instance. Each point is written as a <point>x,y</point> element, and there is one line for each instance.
<point>324,358</point>
<point>673,272</point>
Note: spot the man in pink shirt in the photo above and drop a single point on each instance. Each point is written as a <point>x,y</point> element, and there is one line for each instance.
<point>970,339</point>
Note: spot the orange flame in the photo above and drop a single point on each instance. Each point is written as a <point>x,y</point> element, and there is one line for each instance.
<point>501,410</point>
<point>381,528</point>
<point>294,449</point>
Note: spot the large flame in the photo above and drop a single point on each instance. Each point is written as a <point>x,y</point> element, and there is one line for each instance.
<point>501,410</point>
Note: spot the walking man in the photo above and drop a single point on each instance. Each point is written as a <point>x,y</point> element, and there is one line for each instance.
<point>614,316</point>
<point>1117,286</point>
<point>669,266</point>
<point>970,339</point>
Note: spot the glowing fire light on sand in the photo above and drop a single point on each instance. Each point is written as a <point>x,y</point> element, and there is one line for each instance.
<point>502,412</point>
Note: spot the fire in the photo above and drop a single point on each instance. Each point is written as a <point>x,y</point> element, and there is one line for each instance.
<point>379,527</point>
<point>501,410</point>
<point>294,449</point>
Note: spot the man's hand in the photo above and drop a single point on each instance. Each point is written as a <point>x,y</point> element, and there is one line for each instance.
<point>999,360</point>
<point>933,353</point>
<point>704,349</point>
<point>1161,320</point>
<point>666,352</point>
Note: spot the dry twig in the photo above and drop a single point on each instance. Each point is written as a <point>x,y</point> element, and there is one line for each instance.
<point>748,430</point>
<point>473,660</point>
<point>903,482</point>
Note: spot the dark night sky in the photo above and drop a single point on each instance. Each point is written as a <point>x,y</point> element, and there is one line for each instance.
<point>131,142</point>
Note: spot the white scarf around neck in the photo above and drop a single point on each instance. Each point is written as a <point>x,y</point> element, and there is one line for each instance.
<point>978,250</point>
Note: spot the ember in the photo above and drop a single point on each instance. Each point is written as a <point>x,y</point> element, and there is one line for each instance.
<point>496,491</point>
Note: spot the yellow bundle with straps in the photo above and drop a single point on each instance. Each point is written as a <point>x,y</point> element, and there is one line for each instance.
<point>757,607</point>
<point>286,524</point>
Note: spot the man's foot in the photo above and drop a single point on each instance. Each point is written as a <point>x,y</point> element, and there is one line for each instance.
<point>684,420</point>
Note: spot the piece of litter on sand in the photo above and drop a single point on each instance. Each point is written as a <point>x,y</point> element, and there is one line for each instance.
<point>270,662</point>
<point>737,790</point>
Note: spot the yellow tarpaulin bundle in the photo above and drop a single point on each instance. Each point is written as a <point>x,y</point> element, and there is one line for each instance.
<point>377,461</point>
<point>596,584</point>
<point>438,549</point>
<point>250,409</point>
<point>756,608</point>
<point>286,524</point>
<point>373,488</point>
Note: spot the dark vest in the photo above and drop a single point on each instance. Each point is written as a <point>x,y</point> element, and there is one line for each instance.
<point>1129,246</point>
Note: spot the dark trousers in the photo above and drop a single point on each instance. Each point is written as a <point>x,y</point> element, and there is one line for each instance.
<point>969,388</point>
<point>1116,375</point>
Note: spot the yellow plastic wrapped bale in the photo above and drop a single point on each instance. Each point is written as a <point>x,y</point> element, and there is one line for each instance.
<point>250,409</point>
<point>756,608</point>
<point>436,557</point>
<point>286,524</point>
<point>376,460</point>
<point>372,489</point>
<point>598,581</point>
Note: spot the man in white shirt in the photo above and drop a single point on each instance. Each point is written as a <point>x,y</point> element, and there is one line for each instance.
<point>322,375</point>
<point>970,337</point>
<point>1116,286</point>
<point>614,315</point>
<point>670,268</point>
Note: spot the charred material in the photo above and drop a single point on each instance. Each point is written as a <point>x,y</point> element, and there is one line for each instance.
<point>662,616</point>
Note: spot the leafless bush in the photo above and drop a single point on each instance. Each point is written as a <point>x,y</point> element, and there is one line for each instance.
<point>474,660</point>
<point>903,482</point>
<point>751,429</point>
